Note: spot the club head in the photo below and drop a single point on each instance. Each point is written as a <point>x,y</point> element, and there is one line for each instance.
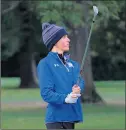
<point>95,10</point>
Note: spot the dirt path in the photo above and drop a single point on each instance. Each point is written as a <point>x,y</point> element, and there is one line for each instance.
<point>23,105</point>
<point>42,104</point>
<point>119,102</point>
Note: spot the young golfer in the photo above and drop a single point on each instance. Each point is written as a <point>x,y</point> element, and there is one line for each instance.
<point>57,75</point>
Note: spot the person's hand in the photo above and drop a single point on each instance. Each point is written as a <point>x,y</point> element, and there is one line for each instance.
<point>71,98</point>
<point>76,90</point>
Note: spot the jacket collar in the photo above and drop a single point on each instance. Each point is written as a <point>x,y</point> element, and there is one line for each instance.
<point>55,54</point>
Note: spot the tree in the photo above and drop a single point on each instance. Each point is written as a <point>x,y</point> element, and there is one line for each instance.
<point>109,39</point>
<point>22,37</point>
<point>10,29</point>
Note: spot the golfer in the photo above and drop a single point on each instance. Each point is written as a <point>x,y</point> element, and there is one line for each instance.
<point>57,75</point>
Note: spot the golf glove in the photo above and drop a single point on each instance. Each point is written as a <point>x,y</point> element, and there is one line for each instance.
<point>70,99</point>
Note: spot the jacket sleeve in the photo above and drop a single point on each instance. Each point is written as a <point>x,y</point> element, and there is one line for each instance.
<point>46,85</point>
<point>81,83</point>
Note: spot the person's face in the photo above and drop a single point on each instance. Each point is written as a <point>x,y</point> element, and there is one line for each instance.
<point>63,43</point>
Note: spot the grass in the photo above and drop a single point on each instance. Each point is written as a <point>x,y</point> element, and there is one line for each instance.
<point>15,95</point>
<point>12,82</point>
<point>95,116</point>
<point>107,89</point>
<point>111,90</point>
<point>11,92</point>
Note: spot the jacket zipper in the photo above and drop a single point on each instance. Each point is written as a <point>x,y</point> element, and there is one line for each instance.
<point>63,64</point>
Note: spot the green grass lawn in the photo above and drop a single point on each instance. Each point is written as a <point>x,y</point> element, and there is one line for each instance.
<point>95,116</point>
<point>107,89</point>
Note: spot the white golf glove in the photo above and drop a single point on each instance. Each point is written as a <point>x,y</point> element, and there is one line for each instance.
<point>70,99</point>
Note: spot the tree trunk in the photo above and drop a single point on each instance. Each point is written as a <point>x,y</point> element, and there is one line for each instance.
<point>27,70</point>
<point>26,57</point>
<point>77,51</point>
<point>89,94</point>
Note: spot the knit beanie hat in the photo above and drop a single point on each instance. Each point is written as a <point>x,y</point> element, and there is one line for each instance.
<point>51,34</point>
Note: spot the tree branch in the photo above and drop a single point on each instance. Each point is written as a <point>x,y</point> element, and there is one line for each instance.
<point>14,5</point>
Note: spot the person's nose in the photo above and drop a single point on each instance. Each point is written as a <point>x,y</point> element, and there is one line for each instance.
<point>68,39</point>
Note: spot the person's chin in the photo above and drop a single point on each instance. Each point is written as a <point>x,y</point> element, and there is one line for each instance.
<point>67,49</point>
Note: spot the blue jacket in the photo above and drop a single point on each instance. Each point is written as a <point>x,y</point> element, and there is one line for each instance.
<point>56,81</point>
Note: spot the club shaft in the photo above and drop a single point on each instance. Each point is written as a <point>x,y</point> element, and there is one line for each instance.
<point>87,45</point>
<point>86,49</point>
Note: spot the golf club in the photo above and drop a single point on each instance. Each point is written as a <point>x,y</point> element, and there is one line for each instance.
<point>87,45</point>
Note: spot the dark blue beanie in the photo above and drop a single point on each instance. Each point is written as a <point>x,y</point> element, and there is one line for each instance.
<point>51,34</point>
